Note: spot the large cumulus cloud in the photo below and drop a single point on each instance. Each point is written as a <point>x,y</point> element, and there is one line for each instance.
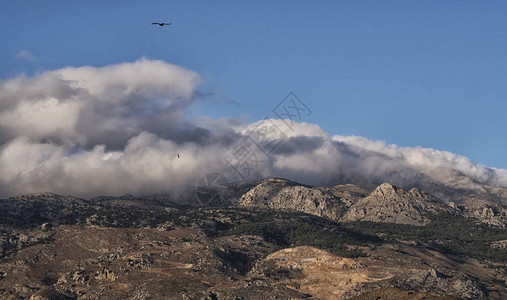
<point>87,106</point>
<point>117,129</point>
<point>112,130</point>
<point>310,155</point>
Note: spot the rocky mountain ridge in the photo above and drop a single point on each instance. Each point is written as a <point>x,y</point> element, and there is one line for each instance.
<point>345,203</point>
<point>327,202</point>
<point>391,204</point>
<point>272,238</point>
<point>386,203</point>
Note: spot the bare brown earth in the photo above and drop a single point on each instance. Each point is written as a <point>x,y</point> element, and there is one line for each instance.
<point>282,240</point>
<point>124,263</point>
<point>109,263</point>
<point>331,277</point>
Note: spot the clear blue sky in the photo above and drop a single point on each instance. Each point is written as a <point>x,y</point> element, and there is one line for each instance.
<point>412,73</point>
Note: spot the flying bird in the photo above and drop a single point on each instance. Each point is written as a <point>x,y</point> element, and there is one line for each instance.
<point>160,24</point>
<point>178,155</point>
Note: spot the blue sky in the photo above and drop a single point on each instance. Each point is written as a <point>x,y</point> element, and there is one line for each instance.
<point>411,73</point>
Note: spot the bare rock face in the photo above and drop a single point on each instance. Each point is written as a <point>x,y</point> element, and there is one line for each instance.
<point>390,204</point>
<point>492,214</point>
<point>320,201</point>
<point>387,203</point>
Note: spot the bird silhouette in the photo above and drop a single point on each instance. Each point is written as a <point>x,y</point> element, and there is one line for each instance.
<point>160,24</point>
<point>177,154</point>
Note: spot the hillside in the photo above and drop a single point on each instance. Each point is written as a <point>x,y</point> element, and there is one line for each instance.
<point>386,203</point>
<point>320,201</point>
<point>390,204</point>
<point>280,240</point>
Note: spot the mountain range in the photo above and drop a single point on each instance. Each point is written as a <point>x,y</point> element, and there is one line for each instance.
<point>261,239</point>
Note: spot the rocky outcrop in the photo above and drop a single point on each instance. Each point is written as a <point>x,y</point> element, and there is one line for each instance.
<point>320,201</point>
<point>386,203</point>
<point>492,214</point>
<point>390,204</point>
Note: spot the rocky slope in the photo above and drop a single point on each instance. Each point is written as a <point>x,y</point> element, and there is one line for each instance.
<point>231,253</point>
<point>40,208</point>
<point>492,214</point>
<point>122,263</point>
<point>320,201</point>
<point>332,277</point>
<point>279,239</point>
<point>386,203</point>
<point>390,204</point>
<point>464,190</point>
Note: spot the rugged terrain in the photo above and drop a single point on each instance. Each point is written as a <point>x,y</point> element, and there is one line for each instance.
<point>269,239</point>
<point>386,203</point>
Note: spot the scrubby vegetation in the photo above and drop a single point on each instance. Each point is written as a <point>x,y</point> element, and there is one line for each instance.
<point>282,228</point>
<point>289,229</point>
<point>448,233</point>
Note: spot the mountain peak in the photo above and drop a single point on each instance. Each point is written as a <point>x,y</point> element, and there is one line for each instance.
<point>391,204</point>
<point>386,190</point>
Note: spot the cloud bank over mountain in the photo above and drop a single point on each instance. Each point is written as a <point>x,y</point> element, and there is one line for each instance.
<point>118,129</point>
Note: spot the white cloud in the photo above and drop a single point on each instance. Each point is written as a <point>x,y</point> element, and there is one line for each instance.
<point>89,106</point>
<point>45,118</point>
<point>25,54</point>
<point>117,129</point>
<point>148,164</point>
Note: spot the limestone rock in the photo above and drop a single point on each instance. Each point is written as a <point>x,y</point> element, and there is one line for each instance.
<point>330,202</point>
<point>390,204</point>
